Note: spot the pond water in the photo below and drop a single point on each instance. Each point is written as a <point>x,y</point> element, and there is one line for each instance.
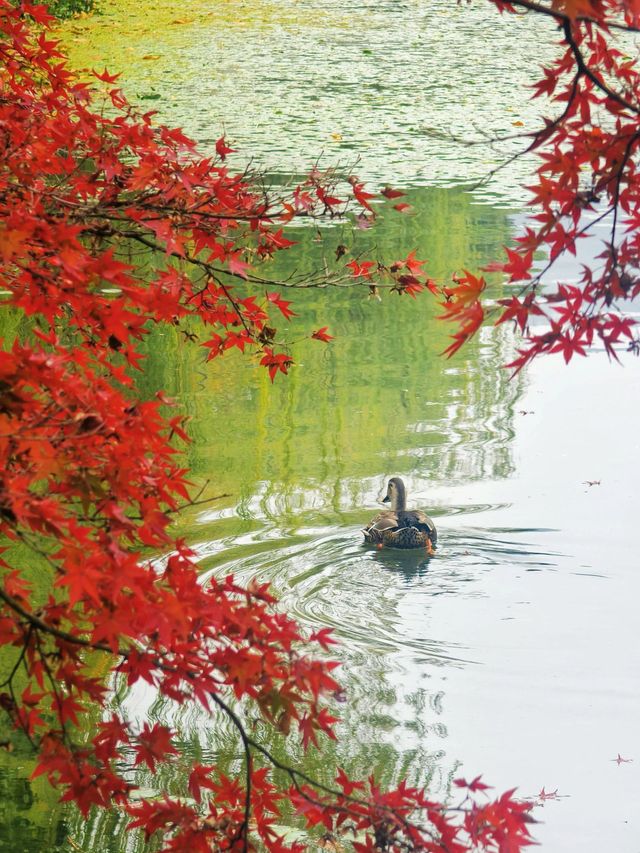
<point>376,82</point>
<point>513,652</point>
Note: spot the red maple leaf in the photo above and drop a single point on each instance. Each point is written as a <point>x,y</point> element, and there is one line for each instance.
<point>348,785</point>
<point>275,362</point>
<point>390,193</point>
<point>322,335</point>
<point>154,744</point>
<point>199,778</point>
<point>281,304</point>
<point>475,784</point>
<point>325,637</point>
<point>361,196</point>
<point>518,266</point>
<point>222,149</point>
<point>236,265</point>
<point>361,270</point>
<point>329,200</point>
<point>106,77</point>
<point>547,795</point>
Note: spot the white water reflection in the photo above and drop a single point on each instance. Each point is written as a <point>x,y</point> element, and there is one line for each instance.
<point>556,697</point>
<point>364,81</point>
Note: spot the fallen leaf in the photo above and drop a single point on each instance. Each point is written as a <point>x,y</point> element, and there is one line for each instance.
<point>389,192</point>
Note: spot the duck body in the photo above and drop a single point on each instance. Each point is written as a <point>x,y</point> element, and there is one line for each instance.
<point>400,527</point>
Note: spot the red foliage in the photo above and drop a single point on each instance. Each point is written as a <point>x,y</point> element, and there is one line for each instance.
<point>91,473</point>
<point>322,335</point>
<point>587,175</point>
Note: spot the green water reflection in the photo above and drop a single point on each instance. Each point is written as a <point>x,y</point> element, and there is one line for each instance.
<point>31,818</point>
<point>378,399</point>
<point>302,463</point>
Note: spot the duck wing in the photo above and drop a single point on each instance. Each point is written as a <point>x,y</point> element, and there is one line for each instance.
<point>420,520</point>
<point>387,520</point>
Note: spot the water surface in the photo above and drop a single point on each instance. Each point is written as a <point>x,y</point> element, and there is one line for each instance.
<point>514,651</point>
<point>386,85</point>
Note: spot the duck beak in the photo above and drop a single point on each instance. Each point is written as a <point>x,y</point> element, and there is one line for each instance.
<point>385,500</point>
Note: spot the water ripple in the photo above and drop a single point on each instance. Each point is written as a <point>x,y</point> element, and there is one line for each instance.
<point>329,578</point>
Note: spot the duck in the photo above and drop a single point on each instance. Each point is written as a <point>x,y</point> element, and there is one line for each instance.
<point>399,527</point>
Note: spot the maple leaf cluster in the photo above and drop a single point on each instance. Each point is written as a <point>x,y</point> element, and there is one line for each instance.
<point>91,474</point>
<point>587,177</point>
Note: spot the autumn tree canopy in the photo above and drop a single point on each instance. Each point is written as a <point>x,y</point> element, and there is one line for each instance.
<point>92,474</point>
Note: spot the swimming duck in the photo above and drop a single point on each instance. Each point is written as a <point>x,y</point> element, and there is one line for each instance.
<point>400,527</point>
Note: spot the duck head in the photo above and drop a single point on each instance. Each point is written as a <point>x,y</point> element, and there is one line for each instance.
<point>396,494</point>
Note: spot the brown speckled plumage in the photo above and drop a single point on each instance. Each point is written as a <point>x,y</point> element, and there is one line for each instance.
<point>399,527</point>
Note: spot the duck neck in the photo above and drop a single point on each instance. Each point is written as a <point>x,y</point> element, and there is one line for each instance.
<point>399,502</point>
